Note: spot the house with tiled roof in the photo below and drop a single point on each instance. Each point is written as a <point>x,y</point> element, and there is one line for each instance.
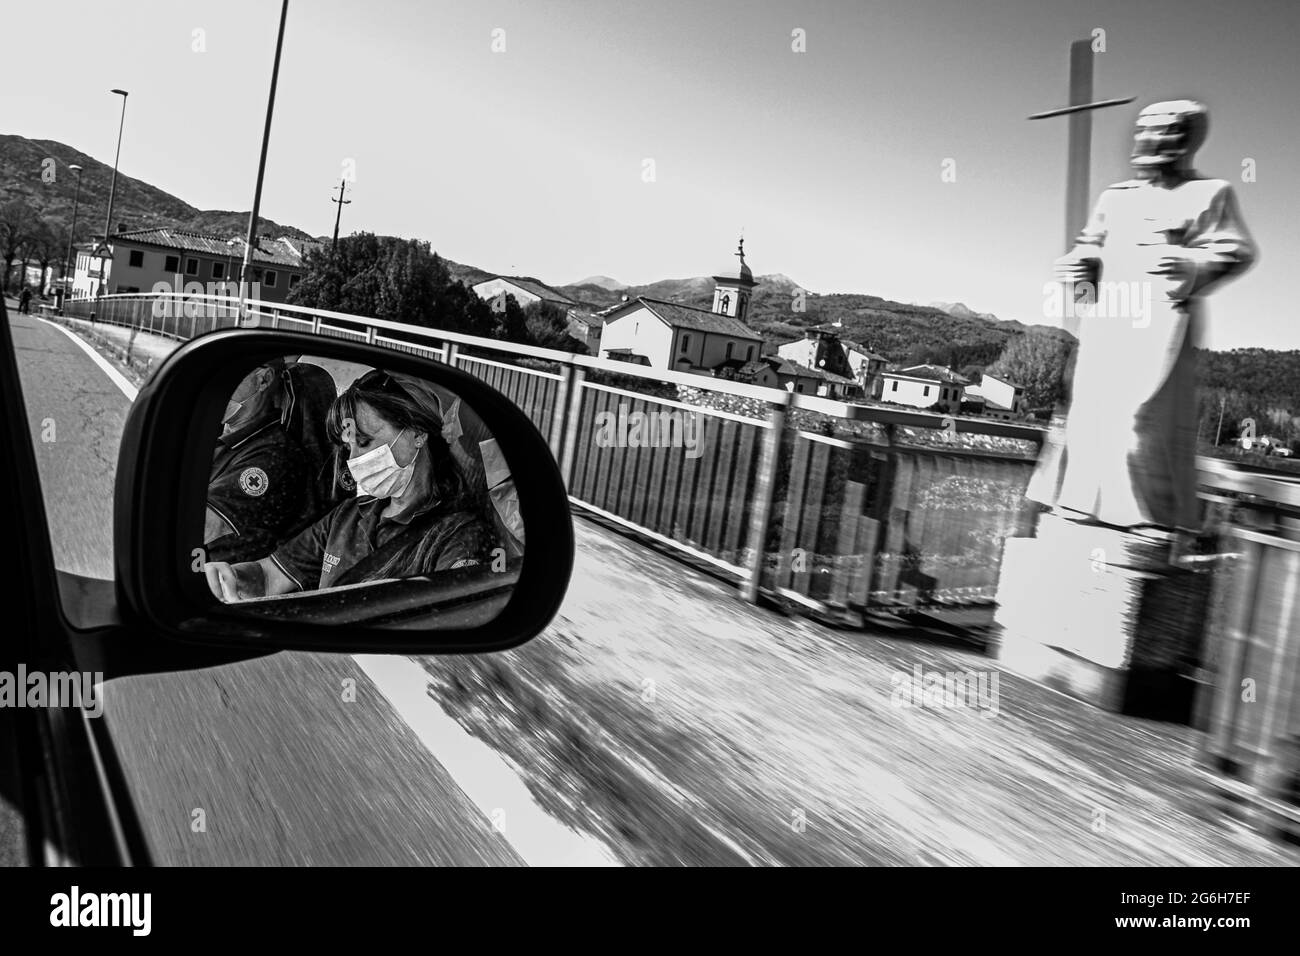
<point>820,348</point>
<point>678,337</point>
<point>867,366</point>
<point>795,377</point>
<point>924,386</point>
<point>90,269</point>
<point>1001,398</point>
<point>757,372</point>
<point>525,289</point>
<point>143,260</point>
<point>823,350</point>
<point>585,327</point>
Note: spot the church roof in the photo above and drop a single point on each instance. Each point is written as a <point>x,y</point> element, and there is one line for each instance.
<point>689,317</point>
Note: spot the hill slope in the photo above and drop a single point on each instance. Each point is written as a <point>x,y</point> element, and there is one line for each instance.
<point>25,170</point>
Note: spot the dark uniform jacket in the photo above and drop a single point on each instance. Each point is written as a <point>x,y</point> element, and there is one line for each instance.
<point>354,543</point>
<point>258,485</point>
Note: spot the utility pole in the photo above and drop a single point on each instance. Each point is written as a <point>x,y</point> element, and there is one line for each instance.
<point>101,289</point>
<point>1219,434</point>
<point>112,189</point>
<point>251,241</point>
<point>338,215</point>
<point>72,232</point>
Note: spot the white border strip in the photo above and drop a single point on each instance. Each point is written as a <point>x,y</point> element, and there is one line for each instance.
<point>482,773</point>
<point>826,440</point>
<point>114,376</point>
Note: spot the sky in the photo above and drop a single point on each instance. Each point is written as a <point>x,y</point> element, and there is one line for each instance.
<point>637,140</point>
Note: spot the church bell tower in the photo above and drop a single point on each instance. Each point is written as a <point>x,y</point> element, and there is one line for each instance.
<point>732,287</point>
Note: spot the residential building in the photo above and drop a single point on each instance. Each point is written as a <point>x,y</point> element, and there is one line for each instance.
<point>794,377</point>
<point>851,370</point>
<point>526,291</point>
<point>924,386</point>
<point>1002,399</point>
<point>758,372</point>
<point>90,271</point>
<point>139,260</point>
<point>585,327</point>
<point>678,337</point>
<point>867,367</point>
<point>821,349</point>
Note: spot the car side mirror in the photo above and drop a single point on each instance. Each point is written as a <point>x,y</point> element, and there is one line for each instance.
<point>283,491</point>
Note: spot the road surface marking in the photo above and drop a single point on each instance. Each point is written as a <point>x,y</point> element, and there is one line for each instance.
<point>482,773</point>
<point>116,377</point>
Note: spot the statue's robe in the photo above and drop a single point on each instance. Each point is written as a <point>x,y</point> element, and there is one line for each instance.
<point>1129,452</point>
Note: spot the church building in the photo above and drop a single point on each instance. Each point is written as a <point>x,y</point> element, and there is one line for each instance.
<point>685,338</point>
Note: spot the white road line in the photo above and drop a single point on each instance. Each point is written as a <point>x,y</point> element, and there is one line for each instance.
<point>114,376</point>
<point>480,771</point>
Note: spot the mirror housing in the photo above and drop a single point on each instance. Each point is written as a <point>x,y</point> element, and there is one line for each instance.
<point>160,494</point>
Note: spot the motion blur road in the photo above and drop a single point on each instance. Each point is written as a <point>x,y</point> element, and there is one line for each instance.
<point>282,768</point>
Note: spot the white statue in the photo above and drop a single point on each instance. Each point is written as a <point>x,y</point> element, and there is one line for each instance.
<point>1155,245</point>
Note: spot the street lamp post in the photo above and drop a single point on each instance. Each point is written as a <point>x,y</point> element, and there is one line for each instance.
<point>72,235</point>
<point>250,242</point>
<point>112,189</point>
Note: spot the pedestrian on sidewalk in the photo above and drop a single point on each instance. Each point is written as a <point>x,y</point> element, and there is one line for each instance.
<point>25,300</point>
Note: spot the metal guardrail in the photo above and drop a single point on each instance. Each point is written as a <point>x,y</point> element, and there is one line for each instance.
<point>837,506</point>
<point>1249,700</point>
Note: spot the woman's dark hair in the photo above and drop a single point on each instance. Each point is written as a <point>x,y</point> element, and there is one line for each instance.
<point>397,407</point>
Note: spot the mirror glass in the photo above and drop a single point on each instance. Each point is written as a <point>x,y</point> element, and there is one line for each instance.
<point>341,493</point>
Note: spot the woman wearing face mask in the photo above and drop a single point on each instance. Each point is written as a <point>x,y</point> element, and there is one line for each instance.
<point>414,513</point>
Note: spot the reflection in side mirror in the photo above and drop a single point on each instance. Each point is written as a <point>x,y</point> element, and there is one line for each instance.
<point>332,482</point>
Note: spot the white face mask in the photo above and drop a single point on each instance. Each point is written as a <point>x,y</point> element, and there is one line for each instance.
<point>378,474</point>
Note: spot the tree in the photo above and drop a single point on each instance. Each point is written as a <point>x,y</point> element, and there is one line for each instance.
<point>1035,360</point>
<point>403,280</point>
<point>507,318</point>
<point>546,325</point>
<point>400,280</point>
<point>42,245</point>
<point>17,220</point>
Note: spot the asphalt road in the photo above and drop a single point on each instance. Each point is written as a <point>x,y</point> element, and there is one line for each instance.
<point>261,763</point>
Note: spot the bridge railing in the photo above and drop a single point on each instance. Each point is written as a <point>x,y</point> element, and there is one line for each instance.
<point>836,506</point>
